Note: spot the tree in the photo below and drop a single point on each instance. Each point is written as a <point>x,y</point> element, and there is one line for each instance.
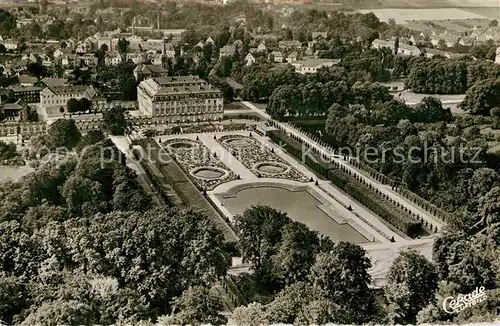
<point>61,312</point>
<point>251,315</point>
<point>83,195</point>
<point>7,22</point>
<point>342,276</point>
<point>295,253</point>
<point>259,229</point>
<point>482,97</point>
<point>85,104</point>
<point>430,110</point>
<point>114,121</point>
<point>104,48</point>
<point>73,105</point>
<point>12,297</point>
<point>411,284</point>
<point>122,46</point>
<point>63,133</point>
<point>36,69</point>
<point>495,114</point>
<point>493,23</point>
<point>7,151</point>
<point>196,306</point>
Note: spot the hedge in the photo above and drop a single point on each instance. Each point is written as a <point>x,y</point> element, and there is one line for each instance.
<point>294,147</point>
<point>378,204</point>
<point>291,145</point>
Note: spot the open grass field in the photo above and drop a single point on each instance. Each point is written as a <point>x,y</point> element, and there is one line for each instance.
<point>489,12</point>
<point>403,15</point>
<point>13,173</point>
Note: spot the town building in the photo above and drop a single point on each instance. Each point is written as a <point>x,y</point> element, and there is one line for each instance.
<point>13,111</point>
<point>27,80</point>
<point>249,59</point>
<point>112,59</point>
<point>277,56</point>
<point>227,51</point>
<point>311,66</point>
<point>289,45</point>
<point>54,81</point>
<point>10,44</point>
<point>28,94</point>
<point>53,99</point>
<point>144,71</point>
<point>180,98</point>
<point>497,58</point>
<point>403,49</point>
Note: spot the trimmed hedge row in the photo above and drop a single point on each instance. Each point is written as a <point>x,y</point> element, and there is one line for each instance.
<point>291,145</point>
<point>295,148</point>
<point>377,203</point>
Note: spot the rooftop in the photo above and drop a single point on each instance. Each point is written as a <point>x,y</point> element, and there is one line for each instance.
<point>68,89</point>
<point>176,85</point>
<point>50,81</point>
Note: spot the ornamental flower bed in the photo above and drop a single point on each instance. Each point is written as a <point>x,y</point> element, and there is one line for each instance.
<point>198,156</point>
<point>377,203</point>
<point>254,153</point>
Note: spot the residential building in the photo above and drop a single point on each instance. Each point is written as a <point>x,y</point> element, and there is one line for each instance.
<point>84,47</point>
<point>227,51</point>
<point>403,49</point>
<point>406,49</point>
<point>289,45</point>
<point>52,81</point>
<point>136,58</point>
<point>28,94</point>
<point>316,36</point>
<point>497,58</point>
<point>156,59</point>
<point>156,45</point>
<point>311,66</point>
<point>27,80</point>
<point>249,59</point>
<point>262,47</point>
<point>53,99</point>
<point>292,57</point>
<point>13,111</point>
<point>180,98</point>
<point>145,71</point>
<point>68,60</point>
<point>277,56</point>
<point>89,59</point>
<point>112,59</point>
<point>429,53</point>
<point>210,40</point>
<point>10,44</point>
<point>169,50</point>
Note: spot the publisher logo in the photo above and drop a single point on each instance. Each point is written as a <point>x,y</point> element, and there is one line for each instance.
<point>454,305</point>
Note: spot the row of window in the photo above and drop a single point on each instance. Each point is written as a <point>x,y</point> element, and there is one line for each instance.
<point>169,111</point>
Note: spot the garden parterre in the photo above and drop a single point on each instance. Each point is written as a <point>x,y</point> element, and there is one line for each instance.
<point>253,153</point>
<point>194,156</point>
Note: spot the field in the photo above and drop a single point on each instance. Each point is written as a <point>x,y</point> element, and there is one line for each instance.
<point>13,173</point>
<point>403,15</point>
<point>491,12</point>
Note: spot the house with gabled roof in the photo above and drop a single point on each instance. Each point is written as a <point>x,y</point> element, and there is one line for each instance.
<point>145,71</point>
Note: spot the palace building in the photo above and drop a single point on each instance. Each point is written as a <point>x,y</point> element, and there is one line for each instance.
<point>180,99</point>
